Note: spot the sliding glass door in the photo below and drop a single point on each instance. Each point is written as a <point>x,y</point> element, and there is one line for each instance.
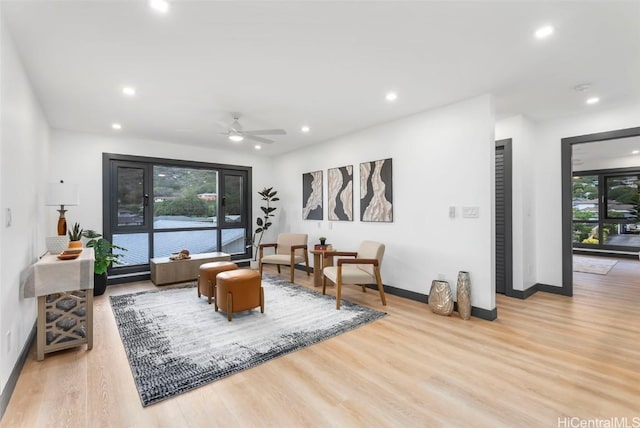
<point>156,207</point>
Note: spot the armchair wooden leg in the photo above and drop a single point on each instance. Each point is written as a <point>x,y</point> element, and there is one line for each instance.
<point>338,287</point>
<point>212,290</point>
<point>380,288</point>
<point>260,267</point>
<point>293,268</point>
<point>199,287</point>
<point>306,262</point>
<point>278,268</point>
<point>364,288</point>
<point>324,285</point>
<point>262,300</point>
<point>229,306</point>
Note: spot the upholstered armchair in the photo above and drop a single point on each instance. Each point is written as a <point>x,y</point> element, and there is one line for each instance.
<point>290,248</point>
<point>363,269</point>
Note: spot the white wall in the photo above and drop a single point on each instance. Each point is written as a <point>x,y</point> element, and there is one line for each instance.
<point>521,131</point>
<point>77,158</point>
<point>24,150</point>
<point>441,158</point>
<point>548,207</point>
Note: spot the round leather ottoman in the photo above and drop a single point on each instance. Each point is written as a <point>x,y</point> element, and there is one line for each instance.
<point>207,277</point>
<point>239,290</point>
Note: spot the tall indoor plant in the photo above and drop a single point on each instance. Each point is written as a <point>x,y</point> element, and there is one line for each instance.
<point>264,222</point>
<point>103,253</point>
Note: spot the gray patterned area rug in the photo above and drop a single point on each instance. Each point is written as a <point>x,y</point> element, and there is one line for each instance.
<point>176,342</point>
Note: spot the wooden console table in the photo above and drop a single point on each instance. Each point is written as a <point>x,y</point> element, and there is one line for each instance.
<point>167,271</point>
<point>64,289</point>
<point>320,261</point>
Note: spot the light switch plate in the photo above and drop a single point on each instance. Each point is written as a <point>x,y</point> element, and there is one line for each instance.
<point>452,212</point>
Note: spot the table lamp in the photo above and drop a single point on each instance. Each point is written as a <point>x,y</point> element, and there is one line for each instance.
<point>62,194</point>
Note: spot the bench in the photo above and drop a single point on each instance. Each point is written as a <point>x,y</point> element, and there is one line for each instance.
<point>167,271</point>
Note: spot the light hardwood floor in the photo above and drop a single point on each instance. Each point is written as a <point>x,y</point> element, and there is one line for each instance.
<point>544,358</point>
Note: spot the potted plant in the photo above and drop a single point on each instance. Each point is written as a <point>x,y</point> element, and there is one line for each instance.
<point>323,240</point>
<point>75,236</point>
<point>268,195</point>
<point>103,253</point>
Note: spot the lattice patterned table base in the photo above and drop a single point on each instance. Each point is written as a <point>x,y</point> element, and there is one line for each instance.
<point>65,320</point>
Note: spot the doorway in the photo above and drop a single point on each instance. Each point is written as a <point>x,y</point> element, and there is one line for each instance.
<point>567,197</point>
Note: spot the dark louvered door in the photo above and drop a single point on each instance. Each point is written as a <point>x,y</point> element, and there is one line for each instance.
<point>503,217</point>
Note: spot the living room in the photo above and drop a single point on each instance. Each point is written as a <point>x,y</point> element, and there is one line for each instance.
<point>443,157</point>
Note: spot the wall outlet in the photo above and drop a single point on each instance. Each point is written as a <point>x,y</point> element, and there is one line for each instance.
<point>452,212</point>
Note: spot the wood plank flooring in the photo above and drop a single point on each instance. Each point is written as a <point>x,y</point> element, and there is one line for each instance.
<point>544,358</point>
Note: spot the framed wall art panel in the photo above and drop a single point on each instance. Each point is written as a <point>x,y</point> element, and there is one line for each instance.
<point>340,190</point>
<point>376,191</point>
<point>312,195</point>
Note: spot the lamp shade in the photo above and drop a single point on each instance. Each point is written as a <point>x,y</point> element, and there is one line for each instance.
<point>62,194</point>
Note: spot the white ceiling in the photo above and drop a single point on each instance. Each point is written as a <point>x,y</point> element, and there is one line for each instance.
<point>325,64</point>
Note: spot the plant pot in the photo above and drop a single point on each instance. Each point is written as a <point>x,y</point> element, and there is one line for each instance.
<point>75,244</point>
<point>323,242</point>
<point>99,284</point>
<point>57,244</point>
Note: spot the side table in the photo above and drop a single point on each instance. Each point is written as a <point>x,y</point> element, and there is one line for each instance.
<point>64,289</point>
<point>320,261</point>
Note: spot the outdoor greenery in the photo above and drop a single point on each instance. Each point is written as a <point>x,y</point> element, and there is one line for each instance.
<point>189,205</point>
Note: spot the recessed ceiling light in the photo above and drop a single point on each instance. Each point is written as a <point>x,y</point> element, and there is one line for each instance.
<point>116,126</point>
<point>305,129</point>
<point>544,32</point>
<point>236,138</point>
<point>593,100</point>
<point>128,91</point>
<point>160,6</point>
<point>391,96</point>
<point>257,146</point>
<point>635,152</point>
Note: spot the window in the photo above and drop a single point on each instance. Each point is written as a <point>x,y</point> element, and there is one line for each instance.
<point>605,210</point>
<point>155,207</point>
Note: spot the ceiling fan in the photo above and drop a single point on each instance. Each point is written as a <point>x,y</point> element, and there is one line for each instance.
<point>237,134</point>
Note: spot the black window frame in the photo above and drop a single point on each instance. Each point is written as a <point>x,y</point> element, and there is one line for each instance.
<point>109,224</point>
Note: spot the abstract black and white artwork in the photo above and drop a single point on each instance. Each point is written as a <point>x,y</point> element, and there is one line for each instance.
<point>340,190</point>
<point>312,195</point>
<point>376,191</point>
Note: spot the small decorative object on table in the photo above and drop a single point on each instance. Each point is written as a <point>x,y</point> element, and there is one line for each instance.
<point>182,255</point>
<point>75,236</point>
<point>440,298</point>
<point>464,295</point>
<point>323,240</point>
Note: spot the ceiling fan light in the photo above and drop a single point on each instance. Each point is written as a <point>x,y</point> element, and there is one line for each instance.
<point>236,138</point>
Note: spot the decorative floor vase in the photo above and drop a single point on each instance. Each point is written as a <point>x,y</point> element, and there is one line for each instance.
<point>441,298</point>
<point>464,295</point>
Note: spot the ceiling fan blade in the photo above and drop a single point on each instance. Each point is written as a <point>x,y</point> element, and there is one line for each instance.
<point>266,132</point>
<point>259,139</point>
